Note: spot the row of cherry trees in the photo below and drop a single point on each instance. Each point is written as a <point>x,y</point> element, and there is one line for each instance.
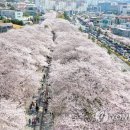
<point>84,80</point>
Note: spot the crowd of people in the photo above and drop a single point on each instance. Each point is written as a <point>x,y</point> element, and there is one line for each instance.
<point>34,121</point>
<point>41,101</point>
<point>34,110</point>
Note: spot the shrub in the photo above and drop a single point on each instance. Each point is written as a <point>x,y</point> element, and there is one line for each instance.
<point>109,51</point>
<point>14,21</point>
<point>80,29</point>
<point>18,22</point>
<point>66,16</point>
<point>93,39</point>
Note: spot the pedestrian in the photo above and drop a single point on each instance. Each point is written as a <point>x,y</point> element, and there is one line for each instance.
<point>46,102</point>
<point>30,107</point>
<point>33,110</point>
<point>33,104</point>
<point>53,116</point>
<point>37,108</point>
<point>37,119</point>
<point>35,122</point>
<point>37,101</point>
<point>49,98</point>
<point>29,122</point>
<point>45,109</point>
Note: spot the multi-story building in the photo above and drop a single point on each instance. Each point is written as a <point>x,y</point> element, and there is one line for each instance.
<point>31,9</point>
<point>11,14</point>
<point>122,8</point>
<point>62,5</point>
<point>122,19</point>
<point>2,1</point>
<point>114,8</point>
<point>121,30</point>
<point>128,9</point>
<point>40,4</point>
<point>21,6</point>
<point>83,7</point>
<point>104,7</point>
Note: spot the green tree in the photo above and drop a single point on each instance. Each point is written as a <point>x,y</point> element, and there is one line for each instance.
<point>36,19</point>
<point>66,16</point>
<point>1,18</point>
<point>109,51</point>
<point>25,14</point>
<point>6,20</point>
<point>80,29</point>
<point>93,39</point>
<point>12,8</point>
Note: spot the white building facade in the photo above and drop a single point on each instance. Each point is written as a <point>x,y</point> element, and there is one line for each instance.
<point>60,5</point>
<point>12,14</point>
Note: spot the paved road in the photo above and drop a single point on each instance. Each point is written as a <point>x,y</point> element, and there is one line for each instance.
<point>117,47</point>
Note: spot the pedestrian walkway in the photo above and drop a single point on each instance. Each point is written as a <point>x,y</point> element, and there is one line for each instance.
<point>47,122</point>
<point>38,116</point>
